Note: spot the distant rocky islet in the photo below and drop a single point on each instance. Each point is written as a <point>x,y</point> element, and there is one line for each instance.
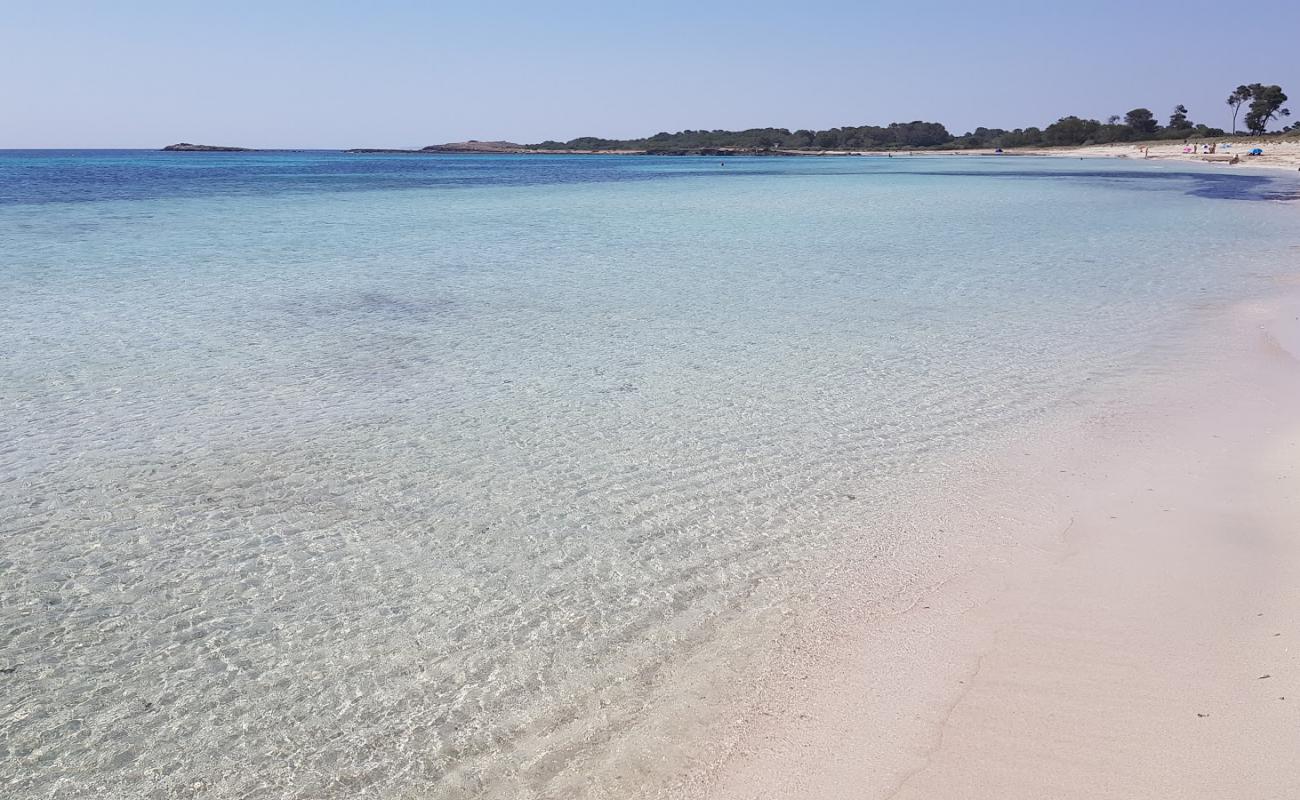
<point>186,147</point>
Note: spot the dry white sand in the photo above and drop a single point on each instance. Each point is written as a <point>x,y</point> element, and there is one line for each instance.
<point>1278,154</point>
<point>1135,635</point>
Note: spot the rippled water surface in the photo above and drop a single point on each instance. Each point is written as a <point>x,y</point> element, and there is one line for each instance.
<point>419,475</point>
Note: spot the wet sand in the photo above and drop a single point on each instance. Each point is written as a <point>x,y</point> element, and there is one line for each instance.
<point>1136,633</point>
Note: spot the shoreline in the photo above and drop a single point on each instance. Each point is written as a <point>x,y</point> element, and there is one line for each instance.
<point>1279,154</point>
<point>1107,640</point>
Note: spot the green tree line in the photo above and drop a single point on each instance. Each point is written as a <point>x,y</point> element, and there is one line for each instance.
<point>1263,104</point>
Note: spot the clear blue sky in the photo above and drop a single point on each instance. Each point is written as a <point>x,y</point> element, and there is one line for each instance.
<point>141,73</point>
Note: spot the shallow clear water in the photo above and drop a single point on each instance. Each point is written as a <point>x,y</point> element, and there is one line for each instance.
<point>325,473</point>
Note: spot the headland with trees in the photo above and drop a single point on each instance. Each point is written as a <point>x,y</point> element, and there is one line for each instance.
<point>1257,105</point>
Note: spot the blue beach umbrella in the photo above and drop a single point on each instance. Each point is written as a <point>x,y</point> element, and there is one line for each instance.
<point>1256,152</point>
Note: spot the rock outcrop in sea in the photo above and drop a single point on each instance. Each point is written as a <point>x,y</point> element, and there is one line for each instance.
<point>186,147</point>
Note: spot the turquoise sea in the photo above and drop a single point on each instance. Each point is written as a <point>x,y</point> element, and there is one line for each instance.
<point>325,475</point>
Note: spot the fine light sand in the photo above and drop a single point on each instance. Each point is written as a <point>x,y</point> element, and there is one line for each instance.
<point>1278,154</point>
<point>1134,634</point>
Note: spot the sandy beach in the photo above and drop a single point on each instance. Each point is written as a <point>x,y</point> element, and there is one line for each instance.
<point>695,402</point>
<point>1134,635</point>
<point>813,478</point>
<point>1278,154</point>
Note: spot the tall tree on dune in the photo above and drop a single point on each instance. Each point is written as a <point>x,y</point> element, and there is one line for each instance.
<point>1265,106</point>
<point>1178,119</point>
<point>1239,96</point>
